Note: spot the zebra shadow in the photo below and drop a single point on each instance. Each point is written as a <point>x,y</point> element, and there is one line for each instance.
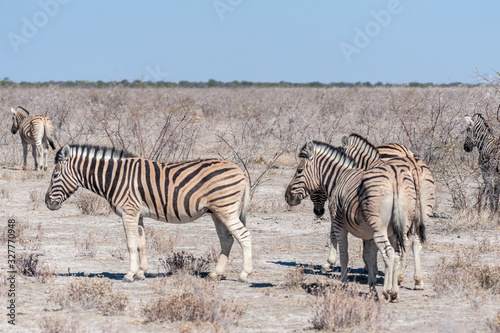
<point>358,275</point>
<point>120,276</point>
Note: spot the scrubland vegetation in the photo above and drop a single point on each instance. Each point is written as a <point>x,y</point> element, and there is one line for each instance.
<point>261,129</point>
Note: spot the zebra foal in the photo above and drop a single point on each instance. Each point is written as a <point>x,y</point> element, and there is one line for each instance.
<point>35,131</point>
<point>171,192</point>
<point>479,135</point>
<point>369,204</point>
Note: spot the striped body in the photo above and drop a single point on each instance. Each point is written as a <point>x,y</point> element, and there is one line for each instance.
<point>479,135</point>
<point>397,154</point>
<point>35,131</point>
<point>172,192</point>
<point>370,204</point>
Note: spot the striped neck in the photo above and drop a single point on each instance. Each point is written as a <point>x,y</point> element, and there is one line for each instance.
<point>361,150</point>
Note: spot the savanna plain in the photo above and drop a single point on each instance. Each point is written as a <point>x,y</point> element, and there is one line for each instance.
<point>70,263</point>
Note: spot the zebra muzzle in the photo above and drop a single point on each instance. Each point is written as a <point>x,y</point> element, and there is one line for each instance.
<point>51,204</point>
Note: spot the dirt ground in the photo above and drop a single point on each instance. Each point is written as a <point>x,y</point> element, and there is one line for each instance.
<point>282,239</point>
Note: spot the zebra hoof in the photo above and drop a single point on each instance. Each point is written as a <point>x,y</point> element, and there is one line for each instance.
<point>243,277</point>
<point>326,268</point>
<point>214,276</point>
<point>419,286</point>
<point>129,277</point>
<point>140,276</point>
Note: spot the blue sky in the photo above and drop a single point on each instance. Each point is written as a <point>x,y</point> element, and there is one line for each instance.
<point>392,41</point>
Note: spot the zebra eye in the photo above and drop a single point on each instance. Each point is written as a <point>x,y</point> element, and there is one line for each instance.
<point>300,171</point>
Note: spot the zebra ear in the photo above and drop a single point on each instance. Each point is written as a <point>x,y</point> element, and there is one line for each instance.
<point>310,150</point>
<point>345,141</point>
<point>469,121</point>
<point>12,110</point>
<point>65,153</point>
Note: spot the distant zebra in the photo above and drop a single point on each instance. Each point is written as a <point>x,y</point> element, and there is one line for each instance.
<point>35,131</point>
<point>178,192</point>
<point>479,135</point>
<point>369,204</point>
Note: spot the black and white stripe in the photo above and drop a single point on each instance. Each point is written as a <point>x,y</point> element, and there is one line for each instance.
<point>35,131</point>
<point>479,135</point>
<point>172,192</point>
<point>369,204</point>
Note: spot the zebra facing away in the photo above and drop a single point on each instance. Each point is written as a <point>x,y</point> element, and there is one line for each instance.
<point>35,131</point>
<point>367,156</point>
<point>479,135</point>
<point>393,153</point>
<point>369,204</point>
<point>172,192</point>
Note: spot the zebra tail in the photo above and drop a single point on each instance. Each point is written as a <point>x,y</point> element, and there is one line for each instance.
<point>245,201</point>
<point>399,219</point>
<point>419,227</point>
<point>47,126</point>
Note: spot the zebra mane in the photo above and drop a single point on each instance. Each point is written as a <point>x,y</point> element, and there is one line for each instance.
<point>326,149</point>
<point>479,116</point>
<point>22,111</point>
<point>363,146</point>
<point>91,151</point>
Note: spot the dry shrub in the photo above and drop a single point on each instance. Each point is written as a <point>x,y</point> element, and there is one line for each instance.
<point>58,324</point>
<point>28,264</point>
<point>341,306</point>
<point>494,324</point>
<point>91,293</point>
<point>295,278</point>
<point>192,299</point>
<point>160,241</point>
<point>91,204</point>
<point>87,246</point>
<point>470,219</point>
<point>182,261</point>
<point>466,275</point>
<point>33,242</point>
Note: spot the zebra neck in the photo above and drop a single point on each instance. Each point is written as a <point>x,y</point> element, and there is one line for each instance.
<point>331,168</point>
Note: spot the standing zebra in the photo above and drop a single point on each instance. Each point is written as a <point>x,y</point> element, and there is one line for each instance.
<point>369,204</point>
<point>35,131</point>
<point>368,157</point>
<point>479,135</point>
<point>172,192</point>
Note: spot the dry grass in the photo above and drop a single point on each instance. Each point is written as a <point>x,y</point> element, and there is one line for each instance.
<point>87,246</point>
<point>160,241</point>
<point>468,275</point>
<point>59,324</point>
<point>295,278</point>
<point>341,306</point>
<point>29,264</point>
<point>91,293</point>
<point>181,261</point>
<point>191,299</point>
<point>31,239</point>
<point>494,324</point>
<point>91,204</point>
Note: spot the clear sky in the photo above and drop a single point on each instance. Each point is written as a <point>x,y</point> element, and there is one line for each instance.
<point>394,41</point>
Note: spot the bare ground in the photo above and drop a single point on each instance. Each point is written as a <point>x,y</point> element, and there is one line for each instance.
<point>282,239</point>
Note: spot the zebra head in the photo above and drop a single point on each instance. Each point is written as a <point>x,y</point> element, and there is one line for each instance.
<point>469,142</point>
<point>16,121</point>
<point>63,182</point>
<point>478,132</point>
<point>306,179</point>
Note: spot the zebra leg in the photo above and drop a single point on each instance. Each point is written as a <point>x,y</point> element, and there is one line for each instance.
<point>394,294</point>
<point>25,154</point>
<point>384,246</point>
<point>45,148</point>
<point>343,254</point>
<point>404,261</point>
<point>143,261</point>
<point>417,247</point>
<point>130,224</point>
<point>244,237</point>
<point>332,257</point>
<point>226,242</point>
<point>370,258</point>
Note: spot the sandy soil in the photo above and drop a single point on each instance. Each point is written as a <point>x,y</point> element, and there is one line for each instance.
<point>282,239</point>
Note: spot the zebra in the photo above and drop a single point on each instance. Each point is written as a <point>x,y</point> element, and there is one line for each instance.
<point>369,204</point>
<point>479,135</point>
<point>35,131</point>
<point>368,156</point>
<point>177,192</point>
